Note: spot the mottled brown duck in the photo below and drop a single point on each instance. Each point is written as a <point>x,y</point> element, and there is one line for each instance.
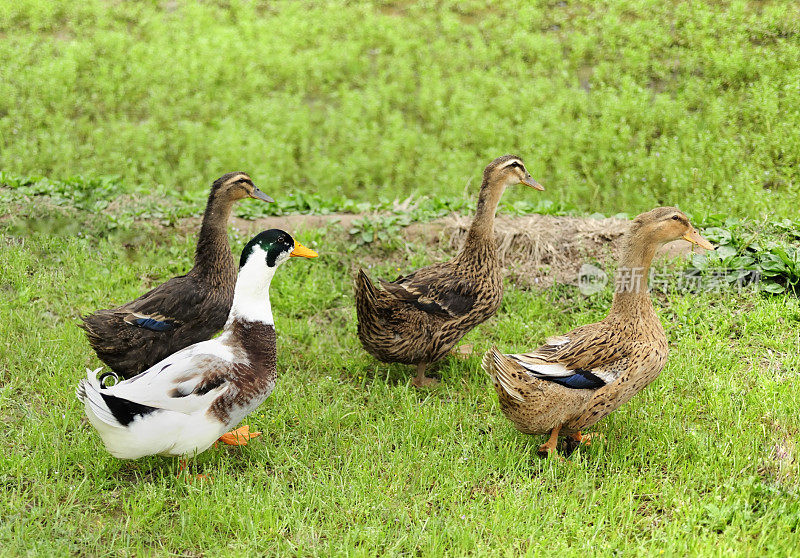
<point>184,310</point>
<point>182,404</point>
<point>574,380</point>
<point>417,319</point>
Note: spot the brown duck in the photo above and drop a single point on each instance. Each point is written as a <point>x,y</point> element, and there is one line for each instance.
<point>184,310</point>
<point>576,379</point>
<point>418,318</point>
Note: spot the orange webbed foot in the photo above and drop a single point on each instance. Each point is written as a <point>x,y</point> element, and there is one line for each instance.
<point>550,445</point>
<point>182,468</point>
<point>201,478</point>
<point>579,439</point>
<point>239,437</point>
<point>546,449</point>
<point>586,439</point>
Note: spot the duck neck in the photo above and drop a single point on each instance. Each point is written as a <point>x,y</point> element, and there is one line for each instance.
<point>213,257</point>
<point>251,295</point>
<point>631,293</point>
<point>481,232</point>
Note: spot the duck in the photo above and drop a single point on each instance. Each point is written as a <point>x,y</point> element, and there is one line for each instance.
<point>576,379</point>
<point>418,318</point>
<point>181,405</point>
<point>186,309</point>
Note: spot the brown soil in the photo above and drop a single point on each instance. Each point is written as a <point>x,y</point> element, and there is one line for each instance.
<point>543,249</point>
<point>534,249</point>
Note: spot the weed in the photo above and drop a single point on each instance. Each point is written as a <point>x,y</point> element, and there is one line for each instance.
<point>765,255</point>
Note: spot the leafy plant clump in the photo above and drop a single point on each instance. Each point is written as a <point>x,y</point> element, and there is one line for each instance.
<point>385,229</point>
<point>768,257</point>
<point>89,194</point>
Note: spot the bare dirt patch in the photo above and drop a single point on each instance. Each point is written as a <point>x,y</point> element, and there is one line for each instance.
<point>535,249</point>
<point>543,249</point>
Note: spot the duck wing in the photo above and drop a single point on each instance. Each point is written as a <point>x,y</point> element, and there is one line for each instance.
<point>186,382</point>
<point>166,307</point>
<point>435,290</point>
<point>588,357</point>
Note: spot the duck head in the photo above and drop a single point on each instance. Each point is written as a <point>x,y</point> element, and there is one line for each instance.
<point>260,258</point>
<point>665,224</point>
<point>273,247</point>
<point>236,186</point>
<point>507,171</point>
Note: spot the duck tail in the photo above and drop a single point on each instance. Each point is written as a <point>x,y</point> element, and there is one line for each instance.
<point>92,324</point>
<point>366,295</point>
<point>99,332</point>
<point>88,393</point>
<point>501,370</point>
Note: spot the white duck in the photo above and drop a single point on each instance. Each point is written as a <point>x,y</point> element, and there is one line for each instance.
<point>181,405</point>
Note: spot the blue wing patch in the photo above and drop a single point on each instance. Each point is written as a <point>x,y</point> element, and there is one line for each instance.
<point>155,325</point>
<point>154,322</point>
<point>581,379</point>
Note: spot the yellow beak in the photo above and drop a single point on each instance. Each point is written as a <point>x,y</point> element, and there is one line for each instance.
<point>694,237</point>
<point>302,252</point>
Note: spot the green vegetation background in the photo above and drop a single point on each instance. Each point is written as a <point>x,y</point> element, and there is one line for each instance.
<point>615,106</point>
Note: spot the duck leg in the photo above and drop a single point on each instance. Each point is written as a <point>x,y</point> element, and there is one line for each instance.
<point>239,437</point>
<point>550,445</point>
<point>183,465</point>
<point>577,439</point>
<point>422,380</point>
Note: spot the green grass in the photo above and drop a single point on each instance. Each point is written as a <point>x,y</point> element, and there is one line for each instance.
<point>131,109</point>
<point>615,106</point>
<point>355,461</point>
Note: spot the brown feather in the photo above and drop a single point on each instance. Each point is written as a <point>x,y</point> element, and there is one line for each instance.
<point>629,348</point>
<point>199,301</point>
<point>417,319</point>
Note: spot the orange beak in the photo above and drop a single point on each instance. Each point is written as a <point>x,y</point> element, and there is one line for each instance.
<point>302,252</point>
<point>694,237</point>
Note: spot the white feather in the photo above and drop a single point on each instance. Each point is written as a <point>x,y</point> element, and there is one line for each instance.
<point>552,369</point>
<point>557,340</point>
<point>155,386</point>
<point>607,377</point>
<point>161,432</point>
<point>181,425</point>
<point>251,297</point>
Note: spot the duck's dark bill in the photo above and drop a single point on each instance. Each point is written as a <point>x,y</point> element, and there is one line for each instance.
<point>694,237</point>
<point>301,251</point>
<point>529,181</point>
<point>262,196</point>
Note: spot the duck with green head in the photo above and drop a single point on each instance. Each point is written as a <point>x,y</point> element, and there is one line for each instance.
<point>182,404</point>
